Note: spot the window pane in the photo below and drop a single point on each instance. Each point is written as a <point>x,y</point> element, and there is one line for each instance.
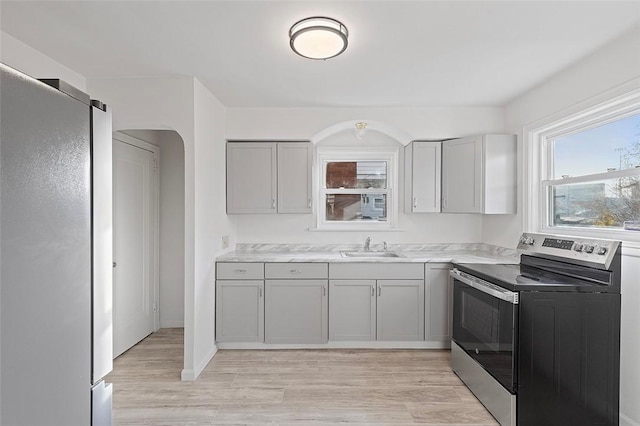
<point>613,146</point>
<point>608,203</point>
<point>356,207</point>
<point>356,174</point>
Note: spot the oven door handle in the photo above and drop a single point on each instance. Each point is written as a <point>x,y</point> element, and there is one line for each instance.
<point>485,286</point>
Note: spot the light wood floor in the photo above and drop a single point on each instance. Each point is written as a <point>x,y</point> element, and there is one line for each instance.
<point>292,387</point>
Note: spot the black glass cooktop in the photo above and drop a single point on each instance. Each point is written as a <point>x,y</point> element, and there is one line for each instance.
<point>525,278</point>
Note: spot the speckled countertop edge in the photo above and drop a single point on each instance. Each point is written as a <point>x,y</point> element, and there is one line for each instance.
<point>410,253</point>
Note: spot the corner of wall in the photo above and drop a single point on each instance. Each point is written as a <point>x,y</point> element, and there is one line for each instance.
<point>190,375</point>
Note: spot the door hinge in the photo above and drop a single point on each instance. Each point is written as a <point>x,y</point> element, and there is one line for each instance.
<point>155,307</point>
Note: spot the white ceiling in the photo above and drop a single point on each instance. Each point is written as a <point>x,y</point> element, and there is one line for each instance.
<point>401,53</point>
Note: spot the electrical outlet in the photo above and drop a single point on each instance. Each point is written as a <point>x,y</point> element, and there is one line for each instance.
<point>225,241</point>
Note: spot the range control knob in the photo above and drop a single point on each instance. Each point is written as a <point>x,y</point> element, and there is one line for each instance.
<point>577,247</point>
<point>588,248</point>
<point>602,251</point>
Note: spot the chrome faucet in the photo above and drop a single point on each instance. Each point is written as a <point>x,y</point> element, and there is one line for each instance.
<point>367,244</point>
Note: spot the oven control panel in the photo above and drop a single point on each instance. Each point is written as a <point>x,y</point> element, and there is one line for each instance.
<point>584,249</point>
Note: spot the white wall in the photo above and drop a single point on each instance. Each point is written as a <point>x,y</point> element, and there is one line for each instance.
<point>211,221</point>
<point>171,256</point>
<point>279,124</point>
<point>171,229</point>
<point>163,104</point>
<point>24,58</point>
<point>608,68</point>
<point>184,105</point>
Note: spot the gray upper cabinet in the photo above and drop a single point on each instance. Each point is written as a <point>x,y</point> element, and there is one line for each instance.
<point>400,310</point>
<point>269,177</point>
<point>479,175</point>
<point>422,162</point>
<point>438,288</point>
<point>251,177</point>
<point>294,177</point>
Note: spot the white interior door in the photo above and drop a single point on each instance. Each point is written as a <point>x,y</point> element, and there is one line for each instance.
<point>135,271</point>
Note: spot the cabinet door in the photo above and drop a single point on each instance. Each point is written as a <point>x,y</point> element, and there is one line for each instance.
<point>239,311</point>
<point>294,177</point>
<point>400,309</point>
<point>296,311</point>
<point>462,175</point>
<point>352,310</point>
<point>438,289</point>
<point>422,177</point>
<point>251,177</point>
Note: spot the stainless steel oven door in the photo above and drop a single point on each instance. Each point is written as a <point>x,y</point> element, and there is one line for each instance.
<point>485,325</point>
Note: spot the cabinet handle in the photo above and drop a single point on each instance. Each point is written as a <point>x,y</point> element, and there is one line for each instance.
<point>273,203</point>
<point>240,271</point>
<point>373,291</point>
<point>444,202</point>
<point>324,290</point>
<point>379,290</point>
<point>295,271</point>
<point>309,203</point>
<point>415,202</point>
<point>260,292</point>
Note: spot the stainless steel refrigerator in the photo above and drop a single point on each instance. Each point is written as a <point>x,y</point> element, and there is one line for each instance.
<point>56,254</point>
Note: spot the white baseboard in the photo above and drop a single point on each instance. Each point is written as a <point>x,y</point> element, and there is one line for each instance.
<point>627,421</point>
<point>187,375</point>
<point>191,375</point>
<point>338,345</point>
<point>172,324</point>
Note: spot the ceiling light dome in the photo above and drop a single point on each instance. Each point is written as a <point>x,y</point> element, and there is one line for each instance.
<point>318,37</point>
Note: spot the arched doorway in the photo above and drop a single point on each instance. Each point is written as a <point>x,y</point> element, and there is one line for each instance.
<point>168,246</point>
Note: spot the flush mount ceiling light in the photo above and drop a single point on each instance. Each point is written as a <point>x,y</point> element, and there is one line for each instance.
<point>318,37</point>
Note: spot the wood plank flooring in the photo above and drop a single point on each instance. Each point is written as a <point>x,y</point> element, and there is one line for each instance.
<point>290,387</point>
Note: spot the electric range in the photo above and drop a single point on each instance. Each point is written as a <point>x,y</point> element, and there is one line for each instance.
<point>539,342</point>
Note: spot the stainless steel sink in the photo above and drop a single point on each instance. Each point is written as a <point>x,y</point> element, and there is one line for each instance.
<point>370,254</point>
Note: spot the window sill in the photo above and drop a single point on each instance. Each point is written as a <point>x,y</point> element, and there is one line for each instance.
<point>368,229</point>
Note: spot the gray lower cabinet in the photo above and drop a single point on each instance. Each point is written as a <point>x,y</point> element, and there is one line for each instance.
<point>438,302</point>
<point>352,310</point>
<point>240,311</point>
<point>376,301</point>
<point>400,310</point>
<point>296,311</point>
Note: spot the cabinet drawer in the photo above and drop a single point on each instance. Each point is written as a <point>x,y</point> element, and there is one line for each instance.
<point>296,270</point>
<point>376,271</point>
<point>240,271</point>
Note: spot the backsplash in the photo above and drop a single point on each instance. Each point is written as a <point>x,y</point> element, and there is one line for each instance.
<point>327,248</point>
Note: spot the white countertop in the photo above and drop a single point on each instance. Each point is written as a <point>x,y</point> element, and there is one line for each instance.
<point>427,253</point>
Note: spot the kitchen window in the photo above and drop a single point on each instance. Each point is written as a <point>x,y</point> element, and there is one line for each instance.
<point>589,169</point>
<point>356,190</point>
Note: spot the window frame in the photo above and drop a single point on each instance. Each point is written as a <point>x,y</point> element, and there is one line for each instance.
<point>336,154</point>
<point>606,108</point>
